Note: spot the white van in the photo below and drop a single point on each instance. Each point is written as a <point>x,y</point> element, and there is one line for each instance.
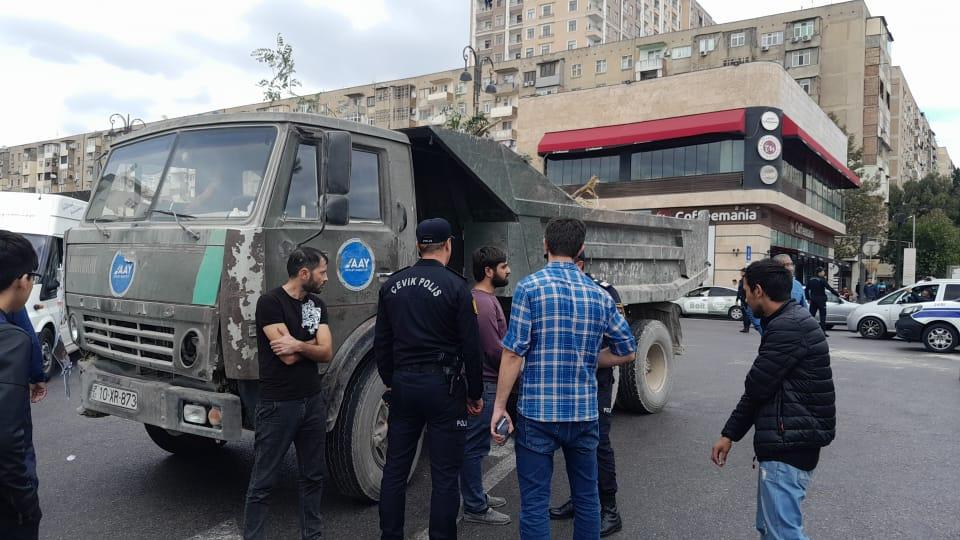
<point>43,220</point>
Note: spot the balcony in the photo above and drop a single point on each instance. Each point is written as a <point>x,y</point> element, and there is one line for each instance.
<point>595,11</point>
<point>440,96</point>
<point>506,88</point>
<point>439,120</point>
<point>516,5</point>
<point>504,111</point>
<point>504,135</point>
<point>649,64</point>
<point>594,30</point>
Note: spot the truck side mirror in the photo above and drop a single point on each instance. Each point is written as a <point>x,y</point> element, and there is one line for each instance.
<point>336,210</point>
<point>337,157</point>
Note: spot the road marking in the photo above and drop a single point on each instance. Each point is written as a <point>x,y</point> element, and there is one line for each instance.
<point>925,360</point>
<point>490,480</point>
<point>228,530</point>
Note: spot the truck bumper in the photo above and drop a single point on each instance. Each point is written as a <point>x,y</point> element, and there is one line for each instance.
<point>161,404</point>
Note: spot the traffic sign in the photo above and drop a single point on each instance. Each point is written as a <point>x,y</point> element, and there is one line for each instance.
<point>749,253</point>
<point>871,248</point>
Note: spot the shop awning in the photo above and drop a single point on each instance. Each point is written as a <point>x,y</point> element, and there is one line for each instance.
<point>643,132</point>
<point>790,129</point>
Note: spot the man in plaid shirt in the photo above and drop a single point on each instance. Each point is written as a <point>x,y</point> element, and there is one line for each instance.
<point>558,320</point>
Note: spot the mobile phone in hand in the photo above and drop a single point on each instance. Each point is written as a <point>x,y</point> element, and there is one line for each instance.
<point>503,429</point>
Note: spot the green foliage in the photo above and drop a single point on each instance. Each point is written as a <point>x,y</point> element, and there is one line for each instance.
<point>476,125</point>
<point>280,62</point>
<point>935,200</point>
<point>864,213</point>
<point>938,241</point>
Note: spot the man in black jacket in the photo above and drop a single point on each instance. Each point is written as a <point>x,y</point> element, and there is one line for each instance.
<point>19,505</point>
<point>816,292</point>
<point>788,400</point>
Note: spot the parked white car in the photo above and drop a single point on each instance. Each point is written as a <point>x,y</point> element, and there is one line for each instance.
<point>878,319</point>
<point>720,301</point>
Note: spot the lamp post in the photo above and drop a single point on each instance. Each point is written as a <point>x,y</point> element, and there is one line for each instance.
<point>126,124</point>
<point>490,88</point>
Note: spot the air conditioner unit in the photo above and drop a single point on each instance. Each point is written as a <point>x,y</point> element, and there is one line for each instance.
<point>703,53</point>
<point>764,48</point>
<point>794,40</point>
<point>807,38</point>
<point>666,54</point>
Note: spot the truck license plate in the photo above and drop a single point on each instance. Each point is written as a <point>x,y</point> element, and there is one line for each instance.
<point>126,399</point>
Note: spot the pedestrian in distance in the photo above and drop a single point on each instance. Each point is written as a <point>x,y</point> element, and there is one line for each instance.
<point>798,292</point>
<point>881,289</point>
<point>610,521</point>
<point>870,291</point>
<point>491,272</point>
<point>426,340</point>
<point>788,400</point>
<point>816,293</point>
<point>292,338</point>
<point>748,318</point>
<point>19,503</point>
<point>558,320</point>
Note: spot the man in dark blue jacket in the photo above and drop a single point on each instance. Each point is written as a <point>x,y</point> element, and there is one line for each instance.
<point>788,399</point>
<point>19,505</point>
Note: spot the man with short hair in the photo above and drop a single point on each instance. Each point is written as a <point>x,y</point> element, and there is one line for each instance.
<point>788,400</point>
<point>19,504</point>
<point>491,272</point>
<point>870,291</point>
<point>558,321</point>
<point>292,338</point>
<point>816,292</point>
<point>797,292</point>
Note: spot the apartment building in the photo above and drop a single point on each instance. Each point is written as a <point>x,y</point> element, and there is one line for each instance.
<point>945,166</point>
<point>914,150</point>
<point>513,29</point>
<point>61,165</point>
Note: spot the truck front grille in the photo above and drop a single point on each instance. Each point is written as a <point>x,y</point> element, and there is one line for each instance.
<point>129,340</point>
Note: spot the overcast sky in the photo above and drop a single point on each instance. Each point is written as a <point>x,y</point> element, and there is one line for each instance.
<point>68,65</point>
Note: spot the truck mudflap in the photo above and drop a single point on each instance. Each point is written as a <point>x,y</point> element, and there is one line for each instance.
<point>156,403</point>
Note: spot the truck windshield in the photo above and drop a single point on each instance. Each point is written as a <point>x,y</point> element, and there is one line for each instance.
<point>206,174</point>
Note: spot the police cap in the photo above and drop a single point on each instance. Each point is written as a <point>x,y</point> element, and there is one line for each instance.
<point>433,231</point>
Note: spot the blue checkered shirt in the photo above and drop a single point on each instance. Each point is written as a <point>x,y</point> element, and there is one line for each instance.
<point>558,321</point>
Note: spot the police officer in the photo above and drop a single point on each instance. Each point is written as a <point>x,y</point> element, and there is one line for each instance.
<point>610,521</point>
<point>426,337</point>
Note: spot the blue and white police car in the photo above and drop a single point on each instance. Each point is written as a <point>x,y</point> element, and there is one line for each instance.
<point>936,325</point>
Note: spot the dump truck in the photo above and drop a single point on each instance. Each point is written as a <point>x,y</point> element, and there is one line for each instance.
<point>192,219</point>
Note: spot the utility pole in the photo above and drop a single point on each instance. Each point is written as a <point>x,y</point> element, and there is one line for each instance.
<point>861,278</point>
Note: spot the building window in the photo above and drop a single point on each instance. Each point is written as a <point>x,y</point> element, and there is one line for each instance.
<point>529,78</point>
<point>546,10</point>
<point>572,5</point>
<point>601,66</point>
<point>549,69</point>
<point>498,57</point>
<point>802,29</point>
<point>681,52</point>
<point>499,20</point>
<point>571,45</point>
<point>572,25</point>
<point>486,107</point>
<point>708,44</point>
<point>371,101</point>
<point>499,39</point>
<point>576,71</point>
<point>546,31</point>
<point>531,33</point>
<point>738,40</point>
<point>487,25</point>
<point>771,39</point>
<point>806,84</point>
<point>506,125</point>
<point>487,44</point>
<point>531,14</point>
<point>626,62</point>
<point>545,49</point>
<point>805,57</point>
<point>529,52</point>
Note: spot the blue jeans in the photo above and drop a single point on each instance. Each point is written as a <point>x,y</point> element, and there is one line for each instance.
<point>476,447</point>
<point>748,315</point>
<point>535,444</point>
<point>780,490</point>
<point>303,423</point>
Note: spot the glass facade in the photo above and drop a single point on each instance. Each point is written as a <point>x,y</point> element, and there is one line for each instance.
<point>784,240</point>
<point>692,160</point>
<point>817,193</point>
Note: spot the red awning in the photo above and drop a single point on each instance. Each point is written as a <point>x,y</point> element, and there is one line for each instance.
<point>791,129</point>
<point>643,132</point>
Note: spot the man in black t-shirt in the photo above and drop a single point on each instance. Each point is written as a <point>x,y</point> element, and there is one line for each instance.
<point>292,337</point>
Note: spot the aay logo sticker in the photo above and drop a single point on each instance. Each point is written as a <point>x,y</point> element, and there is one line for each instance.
<point>355,263</point>
<point>122,271</point>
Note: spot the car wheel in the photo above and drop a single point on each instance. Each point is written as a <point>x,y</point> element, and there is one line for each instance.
<point>940,337</point>
<point>872,328</point>
<point>735,313</point>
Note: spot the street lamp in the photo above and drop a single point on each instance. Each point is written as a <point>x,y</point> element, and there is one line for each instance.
<point>490,88</point>
<point>126,127</point>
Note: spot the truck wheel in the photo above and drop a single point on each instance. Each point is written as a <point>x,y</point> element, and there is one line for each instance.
<point>182,444</point>
<point>645,383</point>
<point>735,313</point>
<point>940,337</point>
<point>47,339</point>
<point>357,446</point>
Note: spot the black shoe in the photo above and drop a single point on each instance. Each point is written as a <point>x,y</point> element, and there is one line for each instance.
<point>564,511</point>
<point>745,331</point>
<point>609,520</point>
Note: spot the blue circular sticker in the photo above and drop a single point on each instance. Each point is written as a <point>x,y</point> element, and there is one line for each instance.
<point>355,263</point>
<point>122,271</point>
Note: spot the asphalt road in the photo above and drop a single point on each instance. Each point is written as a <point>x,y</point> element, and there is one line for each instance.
<point>893,471</point>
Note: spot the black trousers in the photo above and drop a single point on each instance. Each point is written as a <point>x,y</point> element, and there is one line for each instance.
<point>606,463</point>
<point>819,305</point>
<point>418,400</point>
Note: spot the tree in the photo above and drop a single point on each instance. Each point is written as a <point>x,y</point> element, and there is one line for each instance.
<point>477,125</point>
<point>938,244</point>
<point>280,62</point>
<point>863,208</point>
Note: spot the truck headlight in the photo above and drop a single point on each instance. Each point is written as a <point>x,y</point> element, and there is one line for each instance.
<point>910,311</point>
<point>194,414</point>
<point>74,326</point>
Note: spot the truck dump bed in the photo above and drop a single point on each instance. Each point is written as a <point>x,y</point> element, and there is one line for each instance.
<point>492,196</point>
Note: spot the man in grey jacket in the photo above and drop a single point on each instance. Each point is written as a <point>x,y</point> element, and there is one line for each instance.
<point>19,504</point>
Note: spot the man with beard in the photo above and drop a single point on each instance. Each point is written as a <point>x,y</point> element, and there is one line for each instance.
<point>292,338</point>
<point>491,272</point>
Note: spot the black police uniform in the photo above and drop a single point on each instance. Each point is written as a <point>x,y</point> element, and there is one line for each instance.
<point>816,292</point>
<point>426,325</point>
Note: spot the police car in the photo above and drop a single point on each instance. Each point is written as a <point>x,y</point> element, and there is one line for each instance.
<point>936,325</point>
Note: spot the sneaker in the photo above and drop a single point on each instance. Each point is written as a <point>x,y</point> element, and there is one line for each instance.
<point>495,502</point>
<point>745,331</point>
<point>490,517</point>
